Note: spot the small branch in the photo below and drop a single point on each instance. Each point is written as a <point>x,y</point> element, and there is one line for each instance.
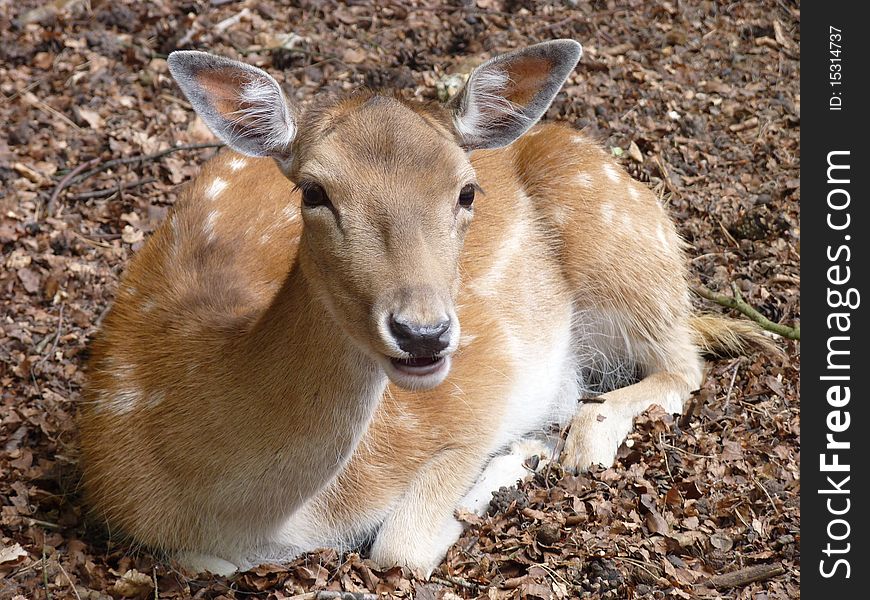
<point>77,176</point>
<point>56,336</point>
<point>143,158</point>
<point>113,190</point>
<point>450,581</point>
<point>746,575</point>
<point>49,208</point>
<point>69,581</point>
<point>736,302</point>
<point>327,595</point>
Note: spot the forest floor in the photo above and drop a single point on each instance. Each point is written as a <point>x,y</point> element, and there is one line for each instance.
<point>699,99</point>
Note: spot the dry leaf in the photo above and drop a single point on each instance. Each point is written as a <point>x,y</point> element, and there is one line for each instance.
<point>91,117</point>
<point>12,554</point>
<point>133,584</point>
<point>30,279</point>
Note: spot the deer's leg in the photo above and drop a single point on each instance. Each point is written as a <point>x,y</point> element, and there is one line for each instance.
<point>421,527</point>
<point>506,470</point>
<point>201,563</point>
<point>598,428</point>
<point>672,369</point>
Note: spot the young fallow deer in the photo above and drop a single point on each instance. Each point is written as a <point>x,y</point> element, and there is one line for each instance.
<point>355,321</point>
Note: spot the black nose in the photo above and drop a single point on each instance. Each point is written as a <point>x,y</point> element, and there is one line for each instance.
<point>420,340</point>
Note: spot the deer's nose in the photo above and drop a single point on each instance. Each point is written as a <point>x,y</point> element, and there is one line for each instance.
<point>420,339</point>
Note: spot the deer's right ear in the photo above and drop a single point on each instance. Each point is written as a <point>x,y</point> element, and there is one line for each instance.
<point>242,105</point>
<point>506,95</point>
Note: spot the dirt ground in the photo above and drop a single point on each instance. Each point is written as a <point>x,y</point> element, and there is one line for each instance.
<point>700,99</point>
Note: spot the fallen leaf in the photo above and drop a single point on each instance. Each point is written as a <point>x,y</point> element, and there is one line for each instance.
<point>30,279</point>
<point>13,553</point>
<point>133,584</point>
<point>92,118</point>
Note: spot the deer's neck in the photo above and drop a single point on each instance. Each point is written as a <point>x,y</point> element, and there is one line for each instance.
<point>313,383</point>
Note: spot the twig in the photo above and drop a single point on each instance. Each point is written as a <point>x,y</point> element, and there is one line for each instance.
<point>49,208</point>
<point>46,524</point>
<point>786,279</point>
<point>746,575</point>
<point>665,456</point>
<point>97,243</point>
<point>451,580</point>
<point>45,575</point>
<point>731,385</point>
<point>666,177</point>
<point>766,493</point>
<point>55,113</point>
<point>77,176</point>
<point>737,303</point>
<point>144,157</point>
<point>71,584</point>
<point>56,336</point>
<point>328,595</point>
<point>728,234</point>
<point>111,191</point>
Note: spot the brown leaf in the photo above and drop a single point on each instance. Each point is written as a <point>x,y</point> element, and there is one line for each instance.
<point>353,56</point>
<point>12,554</point>
<point>722,542</point>
<point>656,523</point>
<point>91,117</point>
<point>133,584</point>
<point>30,279</point>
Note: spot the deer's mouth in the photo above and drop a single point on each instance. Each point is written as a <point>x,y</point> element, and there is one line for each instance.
<point>419,366</point>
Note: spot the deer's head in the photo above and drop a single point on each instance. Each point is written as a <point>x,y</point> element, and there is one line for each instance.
<point>387,188</point>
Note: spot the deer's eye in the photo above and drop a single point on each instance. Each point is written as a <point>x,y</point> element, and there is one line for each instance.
<point>314,195</point>
<point>466,196</point>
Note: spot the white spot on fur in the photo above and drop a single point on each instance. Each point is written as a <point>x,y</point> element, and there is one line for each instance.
<point>583,180</point>
<point>611,172</point>
<point>486,285</point>
<point>122,401</point>
<point>627,223</point>
<point>216,187</point>
<point>237,164</point>
<point>465,339</point>
<point>662,238</point>
<point>633,193</point>
<point>210,222</point>
<point>607,213</point>
<point>561,215</point>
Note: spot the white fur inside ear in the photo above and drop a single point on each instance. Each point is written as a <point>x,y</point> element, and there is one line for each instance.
<point>486,106</point>
<point>264,114</point>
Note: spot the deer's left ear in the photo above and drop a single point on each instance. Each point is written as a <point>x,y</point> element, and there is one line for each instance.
<point>243,105</point>
<point>506,95</point>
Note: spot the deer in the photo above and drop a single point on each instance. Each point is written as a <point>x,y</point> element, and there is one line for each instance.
<point>362,314</point>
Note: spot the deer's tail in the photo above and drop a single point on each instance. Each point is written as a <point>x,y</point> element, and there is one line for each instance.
<point>722,336</point>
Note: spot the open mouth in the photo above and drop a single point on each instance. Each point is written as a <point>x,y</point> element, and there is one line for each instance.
<point>418,365</point>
